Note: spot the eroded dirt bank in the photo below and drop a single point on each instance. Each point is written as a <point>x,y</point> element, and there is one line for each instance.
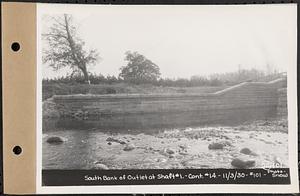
<point>257,144</point>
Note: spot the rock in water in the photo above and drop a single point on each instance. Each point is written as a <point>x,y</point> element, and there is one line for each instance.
<point>170,151</point>
<point>238,163</point>
<point>121,142</point>
<point>101,166</point>
<point>215,146</point>
<point>246,151</point>
<point>55,140</point>
<point>110,139</point>
<point>183,147</point>
<point>129,147</point>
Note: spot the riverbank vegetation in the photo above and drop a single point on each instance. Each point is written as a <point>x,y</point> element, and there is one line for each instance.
<point>99,84</point>
<point>138,74</point>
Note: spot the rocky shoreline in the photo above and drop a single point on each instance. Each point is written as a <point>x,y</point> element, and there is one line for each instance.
<point>257,144</point>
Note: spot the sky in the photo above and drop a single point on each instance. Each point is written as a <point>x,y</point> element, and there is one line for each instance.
<point>184,40</point>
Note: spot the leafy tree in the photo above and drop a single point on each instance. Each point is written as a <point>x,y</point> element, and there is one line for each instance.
<point>66,49</point>
<point>139,69</point>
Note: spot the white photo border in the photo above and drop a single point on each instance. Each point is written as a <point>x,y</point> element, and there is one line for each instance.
<point>43,8</point>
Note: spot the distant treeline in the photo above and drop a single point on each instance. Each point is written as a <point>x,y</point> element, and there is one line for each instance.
<point>227,79</point>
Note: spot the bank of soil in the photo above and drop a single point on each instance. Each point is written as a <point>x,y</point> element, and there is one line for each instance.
<point>120,88</point>
<point>50,111</point>
<point>260,143</point>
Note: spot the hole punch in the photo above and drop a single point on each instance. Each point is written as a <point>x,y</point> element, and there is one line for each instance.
<point>17,150</point>
<point>15,46</point>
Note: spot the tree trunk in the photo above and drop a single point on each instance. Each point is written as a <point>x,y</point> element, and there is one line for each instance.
<point>76,57</point>
<point>86,76</point>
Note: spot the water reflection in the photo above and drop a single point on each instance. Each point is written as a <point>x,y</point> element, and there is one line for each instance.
<point>151,123</point>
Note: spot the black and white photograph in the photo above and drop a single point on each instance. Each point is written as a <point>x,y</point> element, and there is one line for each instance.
<point>154,88</point>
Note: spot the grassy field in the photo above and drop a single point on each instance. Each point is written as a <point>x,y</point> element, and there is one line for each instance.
<point>119,88</point>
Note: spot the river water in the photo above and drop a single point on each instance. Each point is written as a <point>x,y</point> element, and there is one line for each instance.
<point>85,144</point>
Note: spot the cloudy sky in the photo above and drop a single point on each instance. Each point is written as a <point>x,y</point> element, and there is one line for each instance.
<point>184,40</point>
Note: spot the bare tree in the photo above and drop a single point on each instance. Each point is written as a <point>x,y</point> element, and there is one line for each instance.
<point>66,49</point>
